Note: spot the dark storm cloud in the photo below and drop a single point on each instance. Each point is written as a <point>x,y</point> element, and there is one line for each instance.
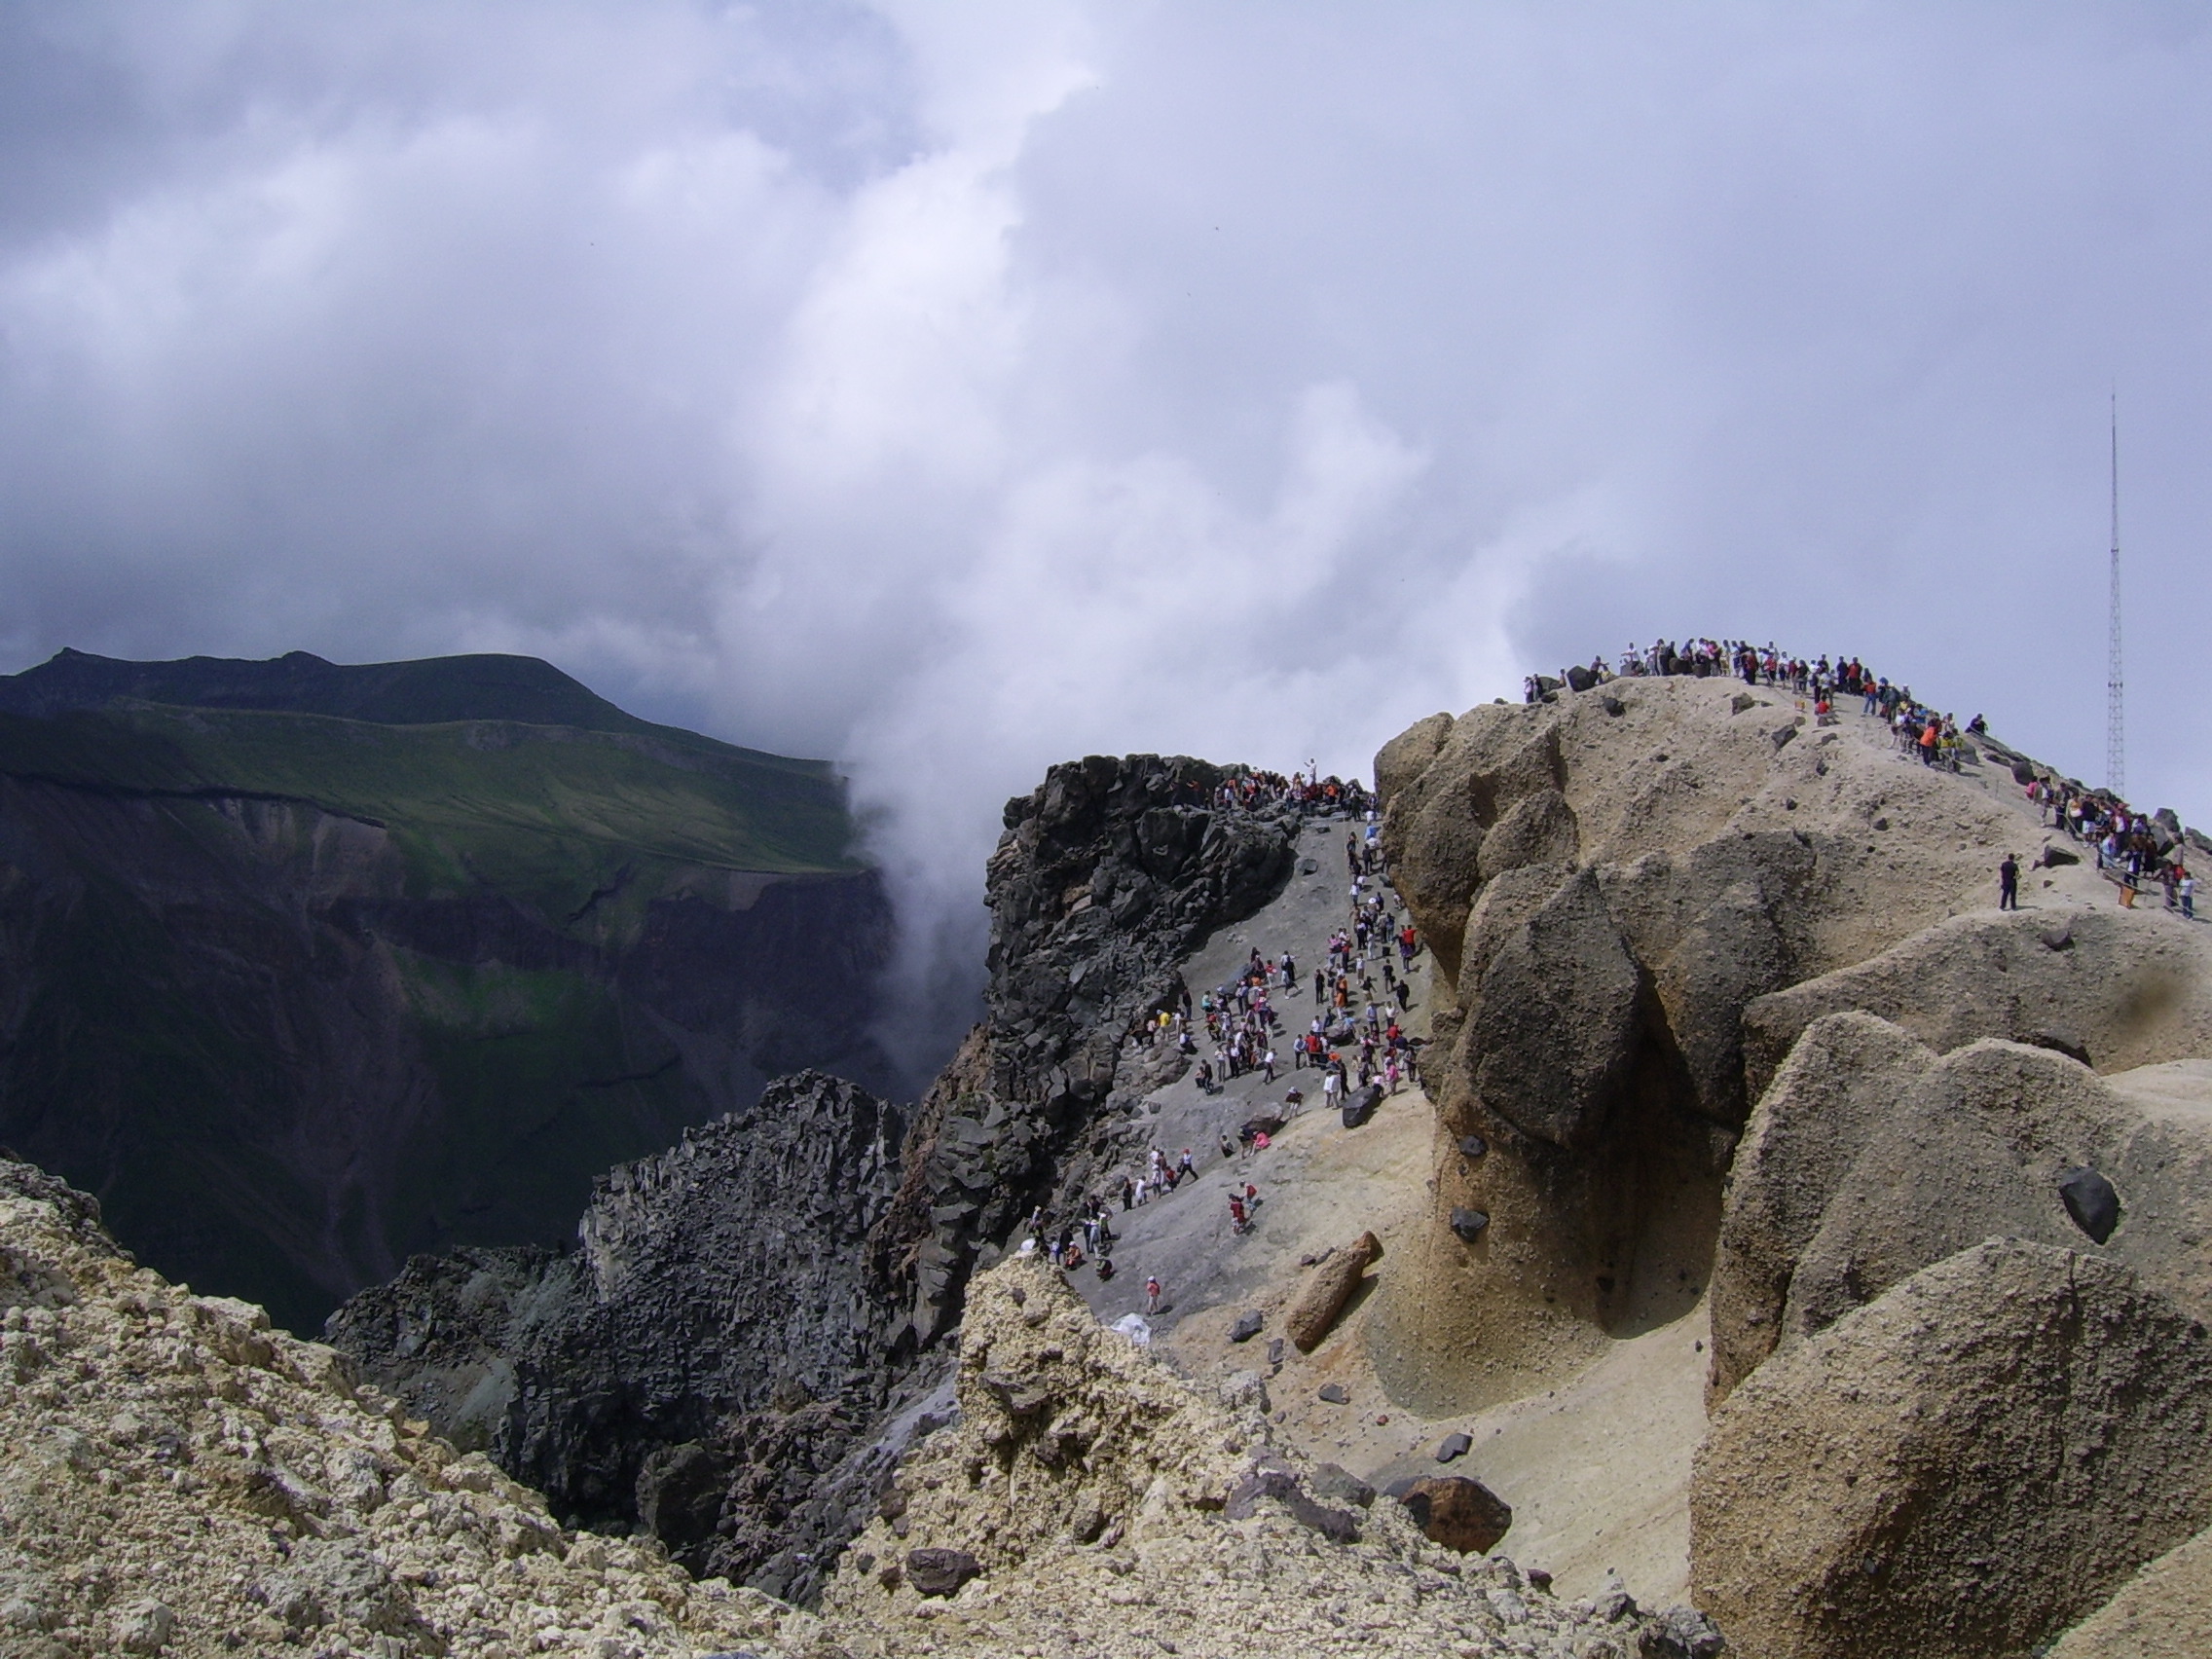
<point>952,388</point>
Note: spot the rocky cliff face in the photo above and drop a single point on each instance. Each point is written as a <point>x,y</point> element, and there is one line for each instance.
<point>706,1355</point>
<point>1108,875</point>
<point>299,995</point>
<point>742,1344</point>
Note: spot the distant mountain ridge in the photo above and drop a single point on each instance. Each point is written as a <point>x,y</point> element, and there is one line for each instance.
<point>305,967</point>
<point>427,691</point>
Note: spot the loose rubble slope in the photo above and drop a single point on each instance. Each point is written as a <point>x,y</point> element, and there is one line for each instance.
<point>180,1479</point>
<point>1089,1501</point>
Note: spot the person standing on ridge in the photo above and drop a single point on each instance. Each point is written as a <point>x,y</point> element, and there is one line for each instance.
<point>2008,883</point>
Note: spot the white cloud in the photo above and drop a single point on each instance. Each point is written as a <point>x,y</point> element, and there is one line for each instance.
<point>951,389</point>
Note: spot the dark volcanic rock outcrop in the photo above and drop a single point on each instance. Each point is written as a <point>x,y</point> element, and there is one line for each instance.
<point>701,1362</point>
<point>742,1345</point>
<point>345,964</point>
<point>1108,874</point>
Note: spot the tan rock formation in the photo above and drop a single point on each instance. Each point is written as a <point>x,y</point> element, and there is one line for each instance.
<point>1871,1158</point>
<point>1638,899</point>
<point>1314,1313</point>
<point>1606,882</point>
<point>2163,1611</point>
<point>1964,1466</point>
<point>1831,1096</point>
<point>2121,989</point>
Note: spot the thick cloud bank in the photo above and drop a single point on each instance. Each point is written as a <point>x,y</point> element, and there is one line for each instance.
<point>951,389</point>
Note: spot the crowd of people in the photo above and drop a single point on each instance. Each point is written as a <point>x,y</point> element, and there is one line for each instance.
<point>1933,738</point>
<point>1353,1038</point>
<point>1251,790</point>
<point>2135,850</point>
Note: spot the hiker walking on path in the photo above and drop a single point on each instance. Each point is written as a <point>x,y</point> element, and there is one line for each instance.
<point>2008,883</point>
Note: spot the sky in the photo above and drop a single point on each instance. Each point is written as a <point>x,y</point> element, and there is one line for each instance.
<point>951,389</point>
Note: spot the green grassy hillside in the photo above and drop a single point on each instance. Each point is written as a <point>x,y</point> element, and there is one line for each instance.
<point>548,815</point>
<point>300,992</point>
<point>428,691</point>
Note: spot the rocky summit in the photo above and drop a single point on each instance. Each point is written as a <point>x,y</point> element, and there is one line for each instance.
<point>1688,1189</point>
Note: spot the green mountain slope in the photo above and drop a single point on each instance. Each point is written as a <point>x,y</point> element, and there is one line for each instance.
<point>299,994</point>
<point>550,815</point>
<point>428,691</point>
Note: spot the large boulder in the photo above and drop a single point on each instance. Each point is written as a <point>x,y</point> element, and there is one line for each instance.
<point>1831,1096</point>
<point>1456,1512</point>
<point>1974,1147</point>
<point>1963,1467</point>
<point>1504,905</point>
<point>1871,1158</point>
<point>1556,1028</point>
<point>2119,988</point>
<point>1326,1294</point>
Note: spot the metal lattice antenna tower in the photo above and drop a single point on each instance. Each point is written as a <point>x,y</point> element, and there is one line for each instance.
<point>2116,702</point>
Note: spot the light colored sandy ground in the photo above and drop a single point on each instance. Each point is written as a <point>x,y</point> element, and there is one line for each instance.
<point>1597,1469</point>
